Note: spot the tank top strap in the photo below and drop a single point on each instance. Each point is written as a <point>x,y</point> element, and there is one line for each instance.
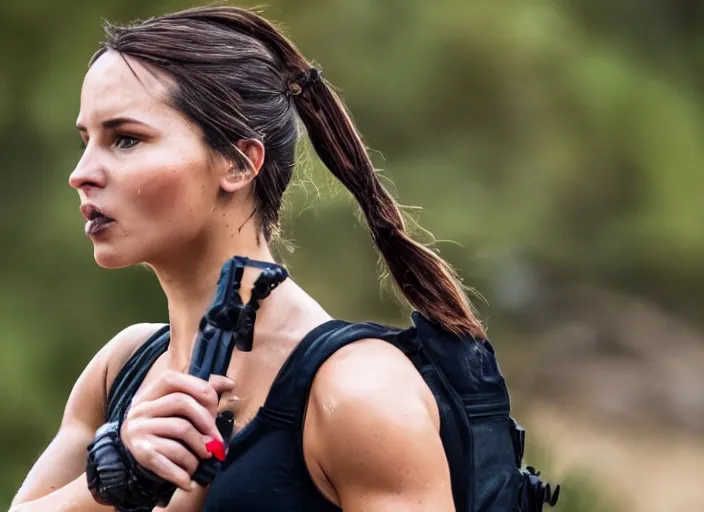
<point>289,393</point>
<point>133,372</point>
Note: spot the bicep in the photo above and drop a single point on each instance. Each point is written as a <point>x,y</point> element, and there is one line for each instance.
<point>394,470</point>
<point>380,445</point>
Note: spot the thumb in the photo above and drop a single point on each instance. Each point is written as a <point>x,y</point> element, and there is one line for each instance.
<point>221,384</point>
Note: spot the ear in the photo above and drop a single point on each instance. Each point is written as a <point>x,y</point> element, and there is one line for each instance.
<point>237,177</point>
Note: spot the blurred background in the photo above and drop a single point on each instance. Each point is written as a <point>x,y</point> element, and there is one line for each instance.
<point>553,149</point>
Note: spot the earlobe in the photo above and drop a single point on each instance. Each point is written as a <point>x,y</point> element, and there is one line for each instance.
<point>235,179</point>
<point>237,176</point>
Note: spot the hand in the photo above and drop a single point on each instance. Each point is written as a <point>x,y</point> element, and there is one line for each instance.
<point>168,425</point>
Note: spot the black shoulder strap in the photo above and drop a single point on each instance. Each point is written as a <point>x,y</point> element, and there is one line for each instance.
<point>289,392</point>
<point>132,373</point>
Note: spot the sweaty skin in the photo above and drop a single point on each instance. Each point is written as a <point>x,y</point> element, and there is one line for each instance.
<point>370,444</point>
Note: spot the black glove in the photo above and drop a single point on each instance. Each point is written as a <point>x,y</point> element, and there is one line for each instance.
<point>115,478</point>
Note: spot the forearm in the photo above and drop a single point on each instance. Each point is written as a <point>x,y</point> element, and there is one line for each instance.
<point>72,497</point>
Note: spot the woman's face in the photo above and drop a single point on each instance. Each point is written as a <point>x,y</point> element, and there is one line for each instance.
<point>147,182</point>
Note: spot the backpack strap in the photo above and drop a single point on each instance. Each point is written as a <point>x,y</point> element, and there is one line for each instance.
<point>133,372</point>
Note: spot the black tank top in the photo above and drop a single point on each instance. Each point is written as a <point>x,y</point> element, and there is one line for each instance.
<point>264,469</point>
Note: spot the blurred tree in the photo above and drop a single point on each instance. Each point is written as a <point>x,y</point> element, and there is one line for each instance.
<point>540,137</point>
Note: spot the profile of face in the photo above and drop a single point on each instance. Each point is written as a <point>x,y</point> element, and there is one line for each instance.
<point>149,186</point>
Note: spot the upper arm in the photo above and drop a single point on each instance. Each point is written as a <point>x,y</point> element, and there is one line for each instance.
<point>373,431</point>
<point>65,458</point>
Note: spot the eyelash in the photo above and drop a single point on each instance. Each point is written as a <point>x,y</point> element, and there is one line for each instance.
<point>126,137</point>
<point>118,138</point>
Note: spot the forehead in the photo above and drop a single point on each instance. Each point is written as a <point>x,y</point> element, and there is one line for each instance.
<point>111,89</point>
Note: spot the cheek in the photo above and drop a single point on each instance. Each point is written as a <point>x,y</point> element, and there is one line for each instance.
<point>170,195</point>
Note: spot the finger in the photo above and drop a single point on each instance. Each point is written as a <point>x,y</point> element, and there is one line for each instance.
<point>221,383</point>
<point>176,453</point>
<point>162,466</point>
<point>175,382</point>
<point>179,405</point>
<point>181,430</point>
<point>196,494</point>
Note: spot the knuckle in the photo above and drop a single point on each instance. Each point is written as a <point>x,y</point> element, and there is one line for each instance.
<point>135,410</point>
<point>151,458</point>
<point>206,417</point>
<point>183,428</point>
<point>202,388</point>
<point>180,400</point>
<point>142,452</point>
<point>129,429</point>
<point>210,395</point>
<point>126,431</point>
<point>171,378</point>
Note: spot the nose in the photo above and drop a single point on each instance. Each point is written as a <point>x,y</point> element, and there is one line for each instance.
<point>88,173</point>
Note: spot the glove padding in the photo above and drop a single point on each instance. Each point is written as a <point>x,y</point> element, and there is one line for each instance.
<point>116,479</point>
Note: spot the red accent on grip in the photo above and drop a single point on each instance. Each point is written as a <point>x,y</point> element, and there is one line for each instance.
<point>217,449</point>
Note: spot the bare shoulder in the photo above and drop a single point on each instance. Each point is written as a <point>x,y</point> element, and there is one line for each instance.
<point>125,343</point>
<point>376,375</point>
<point>92,385</point>
<point>371,435</point>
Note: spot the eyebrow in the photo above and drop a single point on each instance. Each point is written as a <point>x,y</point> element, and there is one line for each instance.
<point>113,123</point>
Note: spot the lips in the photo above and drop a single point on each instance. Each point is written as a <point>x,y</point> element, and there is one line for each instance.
<point>90,212</point>
<point>97,220</point>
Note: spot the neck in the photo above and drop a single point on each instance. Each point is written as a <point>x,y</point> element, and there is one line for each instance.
<point>189,280</point>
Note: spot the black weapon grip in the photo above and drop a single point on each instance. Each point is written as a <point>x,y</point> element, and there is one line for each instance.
<point>229,323</point>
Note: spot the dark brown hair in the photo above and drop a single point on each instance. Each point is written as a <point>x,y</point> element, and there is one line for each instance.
<point>233,71</point>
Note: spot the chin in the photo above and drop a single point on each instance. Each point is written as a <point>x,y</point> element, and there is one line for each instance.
<point>109,258</point>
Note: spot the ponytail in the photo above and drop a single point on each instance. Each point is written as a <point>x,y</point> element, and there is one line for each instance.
<point>428,283</point>
<point>426,280</point>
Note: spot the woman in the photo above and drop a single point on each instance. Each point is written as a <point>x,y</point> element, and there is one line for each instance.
<point>190,125</point>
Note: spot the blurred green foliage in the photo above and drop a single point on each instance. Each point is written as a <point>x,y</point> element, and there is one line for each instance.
<point>578,490</point>
<point>559,136</point>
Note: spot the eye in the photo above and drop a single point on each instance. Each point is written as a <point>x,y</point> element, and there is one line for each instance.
<point>125,142</point>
